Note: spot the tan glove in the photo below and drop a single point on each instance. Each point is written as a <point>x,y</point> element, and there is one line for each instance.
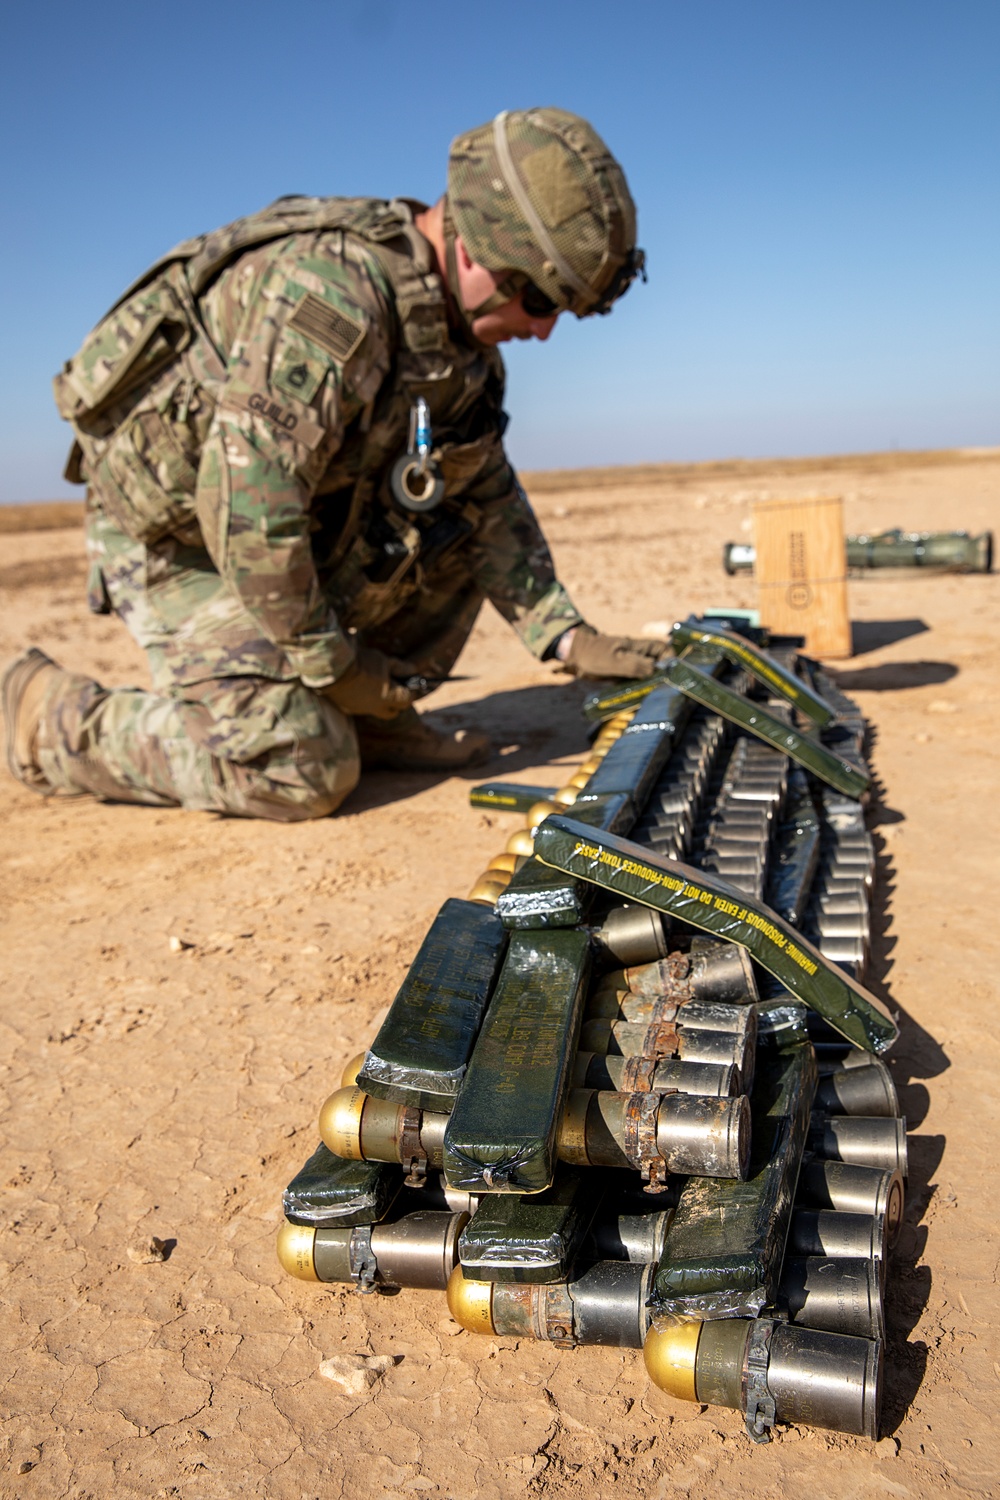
<point>594,655</point>
<point>367,687</point>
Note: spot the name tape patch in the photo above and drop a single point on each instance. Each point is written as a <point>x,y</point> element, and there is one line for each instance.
<point>327,326</point>
<point>281,419</point>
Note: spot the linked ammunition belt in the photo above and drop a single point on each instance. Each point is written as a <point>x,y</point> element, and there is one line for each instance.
<point>629,1091</point>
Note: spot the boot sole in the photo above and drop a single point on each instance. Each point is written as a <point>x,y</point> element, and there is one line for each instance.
<point>15,679</point>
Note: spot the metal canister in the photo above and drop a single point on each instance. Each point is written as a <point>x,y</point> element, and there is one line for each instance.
<point>598,1071</point>
<point>702,1137</point>
<point>636,1237</point>
<point>837,1235</point>
<point>606,1305</point>
<point>859,1091</point>
<point>854,1189</point>
<point>633,935</point>
<point>861,1140</point>
<point>841,1294</point>
<point>419,1250</point>
<point>705,1137</point>
<point>771,1372</point>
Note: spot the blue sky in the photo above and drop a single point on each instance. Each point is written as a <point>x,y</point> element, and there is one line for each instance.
<point>817,188</point>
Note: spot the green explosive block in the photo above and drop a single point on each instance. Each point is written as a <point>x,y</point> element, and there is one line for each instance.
<point>704,901</point>
<point>760,664</point>
<point>420,1053</point>
<point>725,1246</point>
<point>607,702</point>
<point>539,897</point>
<point>501,1136</point>
<point>509,796</point>
<point>536,1238</point>
<point>837,772</point>
<point>330,1191</point>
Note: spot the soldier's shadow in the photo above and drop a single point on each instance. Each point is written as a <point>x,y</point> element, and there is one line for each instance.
<point>529,726</point>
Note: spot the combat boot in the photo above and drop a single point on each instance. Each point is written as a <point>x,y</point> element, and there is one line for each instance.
<point>25,684</point>
<point>408,743</point>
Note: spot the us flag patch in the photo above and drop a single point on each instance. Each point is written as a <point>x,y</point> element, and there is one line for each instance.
<point>327,326</point>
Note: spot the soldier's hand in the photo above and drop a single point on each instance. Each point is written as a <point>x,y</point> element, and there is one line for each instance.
<point>368,685</point>
<point>594,655</point>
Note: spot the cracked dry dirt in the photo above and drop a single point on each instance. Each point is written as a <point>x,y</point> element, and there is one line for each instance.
<point>153,1092</point>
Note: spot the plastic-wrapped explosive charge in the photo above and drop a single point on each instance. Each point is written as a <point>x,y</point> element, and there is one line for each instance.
<point>696,897</point>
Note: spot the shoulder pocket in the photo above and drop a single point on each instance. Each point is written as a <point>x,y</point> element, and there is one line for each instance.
<point>146,474</point>
<point>126,349</point>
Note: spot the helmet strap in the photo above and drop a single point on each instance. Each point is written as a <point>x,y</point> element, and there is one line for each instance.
<point>508,288</point>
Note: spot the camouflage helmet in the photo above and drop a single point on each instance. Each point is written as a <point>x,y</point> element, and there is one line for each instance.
<point>536,193</point>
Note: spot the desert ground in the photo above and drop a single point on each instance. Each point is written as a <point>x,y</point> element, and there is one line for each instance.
<point>170,1089</point>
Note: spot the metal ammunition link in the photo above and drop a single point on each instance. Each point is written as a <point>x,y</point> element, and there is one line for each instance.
<point>758,1403</point>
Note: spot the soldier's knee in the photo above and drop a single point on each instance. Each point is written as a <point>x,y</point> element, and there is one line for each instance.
<point>315,765</point>
<point>326,791</point>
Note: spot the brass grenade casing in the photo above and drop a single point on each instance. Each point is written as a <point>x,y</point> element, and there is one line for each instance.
<point>825,1379</point>
<point>470,1302</point>
<point>670,1354</point>
<point>605,1305</point>
<point>540,810</point>
<point>358,1127</point>
<point>521,842</point>
<point>295,1250</point>
<point>709,1136</point>
<point>349,1076</point>
<point>340,1122</point>
<point>487,890</point>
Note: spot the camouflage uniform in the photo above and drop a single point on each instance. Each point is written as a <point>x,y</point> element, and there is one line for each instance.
<point>237,415</point>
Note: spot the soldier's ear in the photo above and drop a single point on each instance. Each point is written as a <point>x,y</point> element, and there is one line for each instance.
<point>464,258</point>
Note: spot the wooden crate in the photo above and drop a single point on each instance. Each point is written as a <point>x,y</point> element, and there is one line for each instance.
<point>801,572</point>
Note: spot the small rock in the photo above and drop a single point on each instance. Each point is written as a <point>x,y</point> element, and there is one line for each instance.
<point>942,706</point>
<point>310,950</point>
<point>178,945</point>
<point>356,1374</point>
<point>658,629</point>
<point>147,1252</point>
<point>25,1467</point>
<point>448,1326</point>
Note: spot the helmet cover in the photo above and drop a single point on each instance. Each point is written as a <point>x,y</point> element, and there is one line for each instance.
<point>537,192</point>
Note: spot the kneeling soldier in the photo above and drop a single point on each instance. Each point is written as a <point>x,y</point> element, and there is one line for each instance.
<point>298,496</point>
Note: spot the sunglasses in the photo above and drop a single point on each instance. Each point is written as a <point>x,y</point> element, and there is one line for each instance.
<point>535,302</point>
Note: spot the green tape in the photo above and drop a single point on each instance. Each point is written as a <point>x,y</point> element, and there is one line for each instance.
<point>704,901</point>
<point>850,779</point>
<point>760,664</point>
